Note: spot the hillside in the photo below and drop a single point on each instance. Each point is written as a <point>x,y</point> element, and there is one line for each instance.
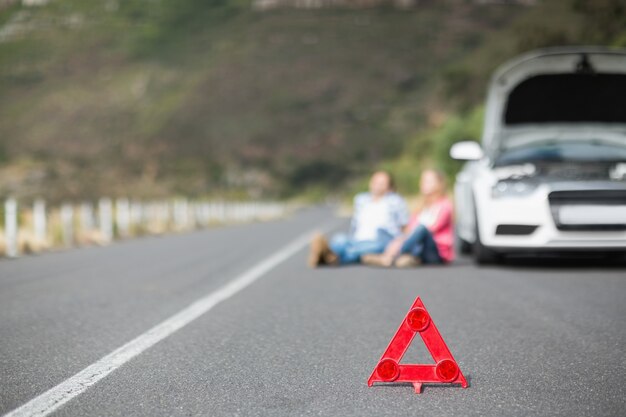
<point>194,97</point>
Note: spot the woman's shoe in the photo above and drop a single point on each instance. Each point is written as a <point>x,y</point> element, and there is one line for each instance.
<point>406,261</point>
<point>375,259</point>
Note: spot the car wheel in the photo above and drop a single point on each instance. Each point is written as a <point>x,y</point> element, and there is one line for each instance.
<point>464,247</point>
<point>482,254</point>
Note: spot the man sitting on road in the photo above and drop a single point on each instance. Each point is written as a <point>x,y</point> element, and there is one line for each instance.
<point>379,217</point>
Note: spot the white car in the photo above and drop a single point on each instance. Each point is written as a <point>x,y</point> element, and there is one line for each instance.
<point>550,175</point>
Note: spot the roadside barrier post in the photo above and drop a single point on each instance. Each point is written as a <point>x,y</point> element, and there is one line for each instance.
<point>40,221</point>
<point>122,216</point>
<point>87,220</point>
<point>67,224</point>
<point>10,227</point>
<point>105,214</point>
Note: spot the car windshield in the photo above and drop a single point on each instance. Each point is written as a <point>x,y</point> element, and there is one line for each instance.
<point>588,151</point>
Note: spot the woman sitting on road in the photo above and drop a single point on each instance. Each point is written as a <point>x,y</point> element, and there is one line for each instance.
<point>429,237</point>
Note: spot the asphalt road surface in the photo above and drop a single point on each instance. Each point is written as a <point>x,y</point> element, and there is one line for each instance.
<point>284,340</point>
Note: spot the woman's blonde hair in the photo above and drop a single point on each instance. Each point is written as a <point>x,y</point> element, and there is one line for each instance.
<point>441,176</point>
<point>419,203</point>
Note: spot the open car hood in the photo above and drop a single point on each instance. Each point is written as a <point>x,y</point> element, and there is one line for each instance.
<point>547,92</point>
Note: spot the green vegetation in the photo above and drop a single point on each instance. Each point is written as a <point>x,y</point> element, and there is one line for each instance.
<point>197,97</point>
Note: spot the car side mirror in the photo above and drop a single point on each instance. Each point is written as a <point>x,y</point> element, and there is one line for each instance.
<point>466,151</point>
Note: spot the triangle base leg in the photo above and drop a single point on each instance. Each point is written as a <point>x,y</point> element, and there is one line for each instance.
<point>418,387</point>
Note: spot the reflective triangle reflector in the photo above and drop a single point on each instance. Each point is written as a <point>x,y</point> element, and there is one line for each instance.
<point>445,370</point>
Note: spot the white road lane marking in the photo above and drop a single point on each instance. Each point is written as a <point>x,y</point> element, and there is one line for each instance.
<point>55,397</point>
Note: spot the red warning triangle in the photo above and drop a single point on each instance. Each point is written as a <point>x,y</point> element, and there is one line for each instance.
<point>445,370</point>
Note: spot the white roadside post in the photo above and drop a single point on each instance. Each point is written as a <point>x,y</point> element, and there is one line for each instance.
<point>166,215</point>
<point>10,227</point>
<point>230,212</point>
<point>175,215</point>
<point>181,213</point>
<point>238,212</point>
<point>193,215</point>
<point>212,211</point>
<point>218,212</point>
<point>241,215</point>
<point>198,209</point>
<point>136,214</point>
<point>184,211</point>
<point>250,211</point>
<point>206,214</point>
<point>148,214</point>
<point>105,214</point>
<point>192,220</point>
<point>256,213</point>
<point>67,224</point>
<point>87,221</point>
<point>40,222</point>
<point>122,216</point>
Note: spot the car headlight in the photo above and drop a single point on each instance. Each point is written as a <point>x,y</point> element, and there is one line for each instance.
<point>508,188</point>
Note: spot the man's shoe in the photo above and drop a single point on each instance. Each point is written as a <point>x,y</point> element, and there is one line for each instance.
<point>320,253</point>
<point>406,261</point>
<point>330,258</point>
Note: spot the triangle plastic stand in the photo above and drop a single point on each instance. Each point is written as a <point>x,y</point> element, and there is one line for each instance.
<point>445,370</point>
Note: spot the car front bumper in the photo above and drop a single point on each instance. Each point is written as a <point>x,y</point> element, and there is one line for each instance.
<point>529,222</point>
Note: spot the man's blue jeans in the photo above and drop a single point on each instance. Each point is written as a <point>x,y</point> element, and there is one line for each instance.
<point>421,244</point>
<point>349,250</point>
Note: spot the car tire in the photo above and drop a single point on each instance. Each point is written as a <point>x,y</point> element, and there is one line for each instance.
<point>483,255</point>
<point>464,247</point>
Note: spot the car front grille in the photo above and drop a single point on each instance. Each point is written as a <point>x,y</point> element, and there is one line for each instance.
<point>600,209</point>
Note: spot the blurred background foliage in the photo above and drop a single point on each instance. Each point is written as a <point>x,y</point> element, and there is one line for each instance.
<point>153,98</point>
